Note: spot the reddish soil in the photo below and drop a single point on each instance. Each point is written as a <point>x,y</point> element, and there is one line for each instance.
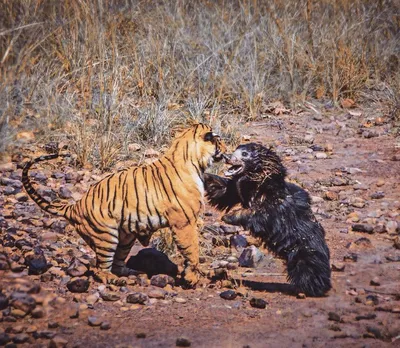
<point>364,314</point>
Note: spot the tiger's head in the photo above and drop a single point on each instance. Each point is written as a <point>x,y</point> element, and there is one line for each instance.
<point>199,144</point>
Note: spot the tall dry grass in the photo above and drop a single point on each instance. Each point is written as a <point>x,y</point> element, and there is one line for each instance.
<point>102,74</point>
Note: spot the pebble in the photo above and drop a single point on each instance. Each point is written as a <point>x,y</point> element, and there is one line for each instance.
<point>140,335</point>
<point>333,316</point>
<point>392,227</point>
<point>258,303</point>
<point>137,297</point>
<point>183,342</point>
<point>58,342</point>
<point>238,242</point>
<point>180,300</point>
<point>375,281</point>
<point>21,338</point>
<point>331,196</point>
<point>23,302</point>
<point>367,228</point>
<point>64,192</point>
<point>396,242</point>
<point>110,296</point>
<point>105,325</point>
<point>161,280</point>
<point>93,298</point>
<point>38,313</point>
<point>250,257</point>
<point>377,195</point>
<point>230,229</point>
<point>4,338</point>
<point>374,332</point>
<point>53,325</point>
<point>380,228</point>
<point>157,293</point>
<point>228,295</point>
<point>94,321</point>
<point>36,262</point>
<point>3,301</point>
<point>337,267</point>
<point>301,296</point>
<point>78,285</point>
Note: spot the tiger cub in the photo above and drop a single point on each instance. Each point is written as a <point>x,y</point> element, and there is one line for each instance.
<point>135,202</point>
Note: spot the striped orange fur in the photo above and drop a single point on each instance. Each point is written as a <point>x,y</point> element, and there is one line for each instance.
<point>135,202</point>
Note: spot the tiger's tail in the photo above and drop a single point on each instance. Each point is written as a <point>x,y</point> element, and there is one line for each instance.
<point>56,207</point>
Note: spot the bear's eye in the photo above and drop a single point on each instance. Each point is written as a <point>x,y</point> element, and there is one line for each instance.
<point>245,154</point>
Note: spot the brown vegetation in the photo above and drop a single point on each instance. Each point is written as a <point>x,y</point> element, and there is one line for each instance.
<point>103,74</point>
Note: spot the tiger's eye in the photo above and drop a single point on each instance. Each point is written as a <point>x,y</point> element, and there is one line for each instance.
<point>245,154</point>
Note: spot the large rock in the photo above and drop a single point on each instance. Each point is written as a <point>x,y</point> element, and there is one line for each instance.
<point>152,262</point>
<point>250,257</point>
<point>36,262</point>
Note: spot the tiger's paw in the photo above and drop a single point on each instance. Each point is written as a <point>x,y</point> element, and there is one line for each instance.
<point>191,277</point>
<point>105,277</point>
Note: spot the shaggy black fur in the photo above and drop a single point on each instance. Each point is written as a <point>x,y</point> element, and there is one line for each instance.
<point>276,211</point>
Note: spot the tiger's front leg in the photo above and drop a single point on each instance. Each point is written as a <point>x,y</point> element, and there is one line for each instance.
<point>187,241</point>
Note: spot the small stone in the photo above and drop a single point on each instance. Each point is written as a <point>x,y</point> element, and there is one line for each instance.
<point>258,303</point>
<point>301,296</point>
<point>53,325</point>
<point>229,229</point>
<point>180,300</point>
<point>23,302</point>
<point>396,157</point>
<point>250,257</point>
<point>228,295</point>
<point>44,334</point>
<point>4,339</point>
<point>161,280</point>
<point>333,316</point>
<point>58,342</point>
<point>78,285</point>
<point>375,281</point>
<point>321,155</point>
<point>38,313</point>
<point>372,300</point>
<point>366,317</point>
<point>3,301</point>
<point>110,296</point>
<point>21,338</point>
<point>367,228</point>
<point>157,293</point>
<point>36,262</point>
<point>183,342</point>
<point>94,321</point>
<point>93,298</point>
<point>238,242</point>
<point>105,325</point>
<point>64,192</point>
<point>331,196</point>
<point>375,332</point>
<point>377,195</point>
<point>140,335</point>
<point>380,228</point>
<point>392,227</point>
<point>137,297</point>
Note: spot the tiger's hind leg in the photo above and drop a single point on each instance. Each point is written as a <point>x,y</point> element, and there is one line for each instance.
<point>105,246</point>
<point>124,247</point>
<point>187,241</point>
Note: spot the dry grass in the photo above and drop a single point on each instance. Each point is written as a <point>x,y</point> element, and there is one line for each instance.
<point>102,74</point>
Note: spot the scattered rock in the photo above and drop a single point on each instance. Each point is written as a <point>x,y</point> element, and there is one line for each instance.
<point>377,195</point>
<point>396,243</point>
<point>367,228</point>
<point>392,227</point>
<point>250,257</point>
<point>228,295</point>
<point>230,229</point>
<point>53,325</point>
<point>301,296</point>
<point>78,285</point>
<point>141,335</point>
<point>180,300</point>
<point>36,262</point>
<point>133,147</point>
<point>161,280</point>
<point>183,342</point>
<point>337,267</point>
<point>58,342</point>
<point>4,338</point>
<point>23,302</point>
<point>375,332</point>
<point>105,325</point>
<point>157,293</point>
<point>375,281</point>
<point>3,301</point>
<point>380,228</point>
<point>94,321</point>
<point>258,303</point>
<point>93,298</point>
<point>321,155</point>
<point>110,296</point>
<point>366,317</point>
<point>238,242</point>
<point>333,316</point>
<point>137,297</point>
<point>64,192</point>
<point>38,313</point>
<point>331,196</point>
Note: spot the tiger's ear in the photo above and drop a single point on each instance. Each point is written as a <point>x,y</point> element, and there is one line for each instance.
<point>210,136</point>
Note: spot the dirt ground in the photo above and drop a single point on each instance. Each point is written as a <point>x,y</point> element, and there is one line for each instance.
<point>350,164</point>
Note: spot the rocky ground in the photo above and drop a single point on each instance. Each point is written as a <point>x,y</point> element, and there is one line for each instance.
<point>349,161</point>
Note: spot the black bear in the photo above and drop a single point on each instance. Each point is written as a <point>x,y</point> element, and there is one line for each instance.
<point>276,211</point>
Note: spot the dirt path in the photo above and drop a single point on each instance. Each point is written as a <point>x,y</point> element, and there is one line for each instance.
<point>354,178</point>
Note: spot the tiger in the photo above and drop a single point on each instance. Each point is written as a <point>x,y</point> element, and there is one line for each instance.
<point>135,202</point>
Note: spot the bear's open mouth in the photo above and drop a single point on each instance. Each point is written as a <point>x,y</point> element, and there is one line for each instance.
<point>234,170</point>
